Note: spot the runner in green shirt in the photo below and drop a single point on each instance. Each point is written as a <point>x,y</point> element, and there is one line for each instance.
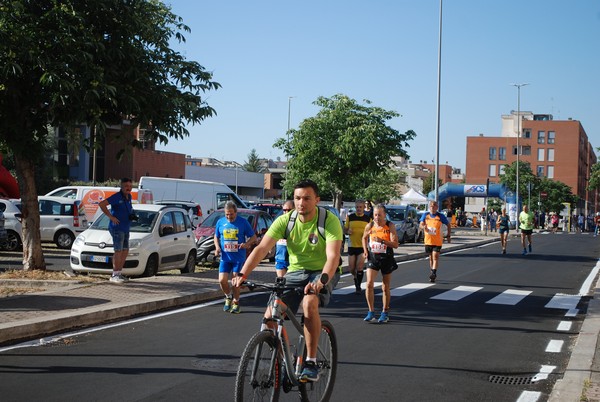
<point>314,259</point>
<point>526,226</point>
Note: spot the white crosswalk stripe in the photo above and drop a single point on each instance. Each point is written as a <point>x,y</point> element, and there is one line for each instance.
<point>458,293</point>
<point>509,297</point>
<point>410,288</point>
<point>350,289</point>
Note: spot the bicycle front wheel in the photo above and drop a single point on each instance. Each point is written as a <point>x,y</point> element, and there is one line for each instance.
<point>320,391</point>
<point>259,374</point>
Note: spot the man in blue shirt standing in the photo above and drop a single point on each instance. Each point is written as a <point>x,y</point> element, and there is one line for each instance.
<point>233,236</point>
<point>120,215</point>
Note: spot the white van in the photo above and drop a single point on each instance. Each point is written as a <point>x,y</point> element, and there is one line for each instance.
<point>90,196</point>
<point>209,195</point>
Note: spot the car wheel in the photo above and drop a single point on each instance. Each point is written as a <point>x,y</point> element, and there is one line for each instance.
<point>190,264</point>
<point>64,239</point>
<point>151,266</point>
<point>12,242</point>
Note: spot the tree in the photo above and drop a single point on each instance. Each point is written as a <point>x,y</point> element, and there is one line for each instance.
<point>429,183</point>
<point>253,164</point>
<point>345,148</point>
<point>68,62</point>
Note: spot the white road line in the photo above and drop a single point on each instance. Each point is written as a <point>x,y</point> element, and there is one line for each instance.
<point>586,287</point>
<point>509,297</point>
<point>563,301</point>
<point>350,289</point>
<point>572,312</point>
<point>554,346</point>
<point>529,396</point>
<point>543,374</point>
<point>457,293</point>
<point>564,326</point>
<point>410,288</point>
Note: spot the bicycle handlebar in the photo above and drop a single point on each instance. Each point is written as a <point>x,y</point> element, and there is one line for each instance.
<point>276,287</point>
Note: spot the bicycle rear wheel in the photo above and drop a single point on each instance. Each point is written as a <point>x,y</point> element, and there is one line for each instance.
<point>320,391</point>
<point>259,373</point>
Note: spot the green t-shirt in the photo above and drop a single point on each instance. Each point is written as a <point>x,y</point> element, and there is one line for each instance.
<point>306,247</point>
<point>526,220</point>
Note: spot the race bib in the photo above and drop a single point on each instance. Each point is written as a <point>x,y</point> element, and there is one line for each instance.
<point>231,246</point>
<point>432,230</point>
<point>378,248</point>
<point>282,242</point>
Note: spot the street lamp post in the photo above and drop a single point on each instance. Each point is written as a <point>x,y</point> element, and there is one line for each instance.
<point>437,134</point>
<point>518,145</point>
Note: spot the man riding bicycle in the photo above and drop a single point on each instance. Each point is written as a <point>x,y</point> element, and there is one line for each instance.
<point>314,258</point>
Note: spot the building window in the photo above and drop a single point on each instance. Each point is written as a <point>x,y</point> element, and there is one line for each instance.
<point>514,151</point>
<point>527,134</point>
<point>541,154</point>
<point>502,153</point>
<point>540,171</point>
<point>492,171</point>
<point>551,135</point>
<point>550,154</point>
<point>526,150</point>
<point>550,174</point>
<point>492,153</point>
<point>541,137</point>
<point>501,170</point>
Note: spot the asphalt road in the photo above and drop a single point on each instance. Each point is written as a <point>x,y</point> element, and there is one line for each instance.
<point>493,328</point>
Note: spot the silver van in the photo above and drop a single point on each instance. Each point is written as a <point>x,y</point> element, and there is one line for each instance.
<point>407,222</point>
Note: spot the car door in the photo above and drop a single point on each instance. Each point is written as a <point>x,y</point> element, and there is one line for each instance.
<point>182,237</point>
<point>167,247</point>
<point>50,218</point>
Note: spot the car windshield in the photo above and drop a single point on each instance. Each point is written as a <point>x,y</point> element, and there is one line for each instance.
<point>144,224</point>
<point>211,220</point>
<point>396,214</point>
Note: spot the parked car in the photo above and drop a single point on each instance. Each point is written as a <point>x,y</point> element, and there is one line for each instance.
<point>406,220</point>
<point>61,220</point>
<point>12,225</point>
<point>272,209</point>
<point>3,236</point>
<point>193,209</point>
<point>160,240</point>
<point>260,221</point>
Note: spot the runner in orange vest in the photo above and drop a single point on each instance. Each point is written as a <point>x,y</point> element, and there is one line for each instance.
<point>431,223</point>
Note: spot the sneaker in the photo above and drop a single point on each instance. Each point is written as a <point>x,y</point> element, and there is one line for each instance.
<point>310,372</point>
<point>433,275</point>
<point>358,291</point>
<point>227,305</point>
<point>524,251</point>
<point>504,251</point>
<point>235,308</point>
<point>530,248</point>
<point>117,279</point>
<point>384,317</point>
<point>370,316</point>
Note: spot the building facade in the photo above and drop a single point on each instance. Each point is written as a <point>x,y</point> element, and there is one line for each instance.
<point>555,149</point>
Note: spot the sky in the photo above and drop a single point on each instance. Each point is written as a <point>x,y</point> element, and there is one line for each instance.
<point>263,52</point>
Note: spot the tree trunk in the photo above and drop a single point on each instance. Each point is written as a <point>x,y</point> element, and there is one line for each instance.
<point>337,199</point>
<point>33,256</point>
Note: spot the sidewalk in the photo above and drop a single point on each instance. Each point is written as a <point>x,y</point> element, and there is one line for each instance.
<point>80,305</point>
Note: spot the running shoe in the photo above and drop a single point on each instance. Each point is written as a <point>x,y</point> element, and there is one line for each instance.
<point>530,248</point>
<point>118,279</point>
<point>227,305</point>
<point>433,275</point>
<point>524,251</point>
<point>504,251</point>
<point>370,316</point>
<point>310,372</point>
<point>235,308</point>
<point>383,318</point>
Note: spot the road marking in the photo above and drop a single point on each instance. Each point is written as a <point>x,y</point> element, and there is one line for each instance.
<point>543,374</point>
<point>529,396</point>
<point>564,326</point>
<point>410,288</point>
<point>586,287</point>
<point>509,297</point>
<point>457,293</point>
<point>563,301</point>
<point>346,290</point>
<point>554,346</point>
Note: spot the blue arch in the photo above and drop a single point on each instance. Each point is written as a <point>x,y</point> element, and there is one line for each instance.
<point>473,190</point>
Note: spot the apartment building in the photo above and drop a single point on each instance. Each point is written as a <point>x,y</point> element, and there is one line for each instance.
<point>555,149</point>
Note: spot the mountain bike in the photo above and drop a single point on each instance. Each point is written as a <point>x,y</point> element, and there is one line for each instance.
<point>271,363</point>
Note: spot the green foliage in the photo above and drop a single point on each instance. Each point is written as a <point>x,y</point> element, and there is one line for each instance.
<point>557,192</point>
<point>429,183</point>
<point>253,164</point>
<point>381,188</point>
<point>346,148</point>
<point>594,182</point>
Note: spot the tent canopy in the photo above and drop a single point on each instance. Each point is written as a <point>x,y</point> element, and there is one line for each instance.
<point>413,197</point>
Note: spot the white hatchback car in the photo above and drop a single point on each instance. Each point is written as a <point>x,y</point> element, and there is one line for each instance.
<point>160,240</point>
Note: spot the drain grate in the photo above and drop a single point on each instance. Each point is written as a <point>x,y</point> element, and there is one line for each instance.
<point>510,380</point>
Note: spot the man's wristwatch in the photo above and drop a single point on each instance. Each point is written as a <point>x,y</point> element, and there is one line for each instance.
<point>324,279</point>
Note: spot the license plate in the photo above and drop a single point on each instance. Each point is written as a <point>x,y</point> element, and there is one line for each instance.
<point>99,258</point>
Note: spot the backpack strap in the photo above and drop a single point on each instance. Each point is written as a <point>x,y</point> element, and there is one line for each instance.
<point>291,223</point>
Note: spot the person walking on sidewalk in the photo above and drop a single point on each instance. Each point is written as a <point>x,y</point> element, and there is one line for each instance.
<point>379,241</point>
<point>314,244</point>
<point>431,223</point>
<point>596,224</point>
<point>120,216</point>
<point>282,257</point>
<point>233,236</point>
<point>354,228</point>
<point>526,226</point>
<point>503,222</point>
